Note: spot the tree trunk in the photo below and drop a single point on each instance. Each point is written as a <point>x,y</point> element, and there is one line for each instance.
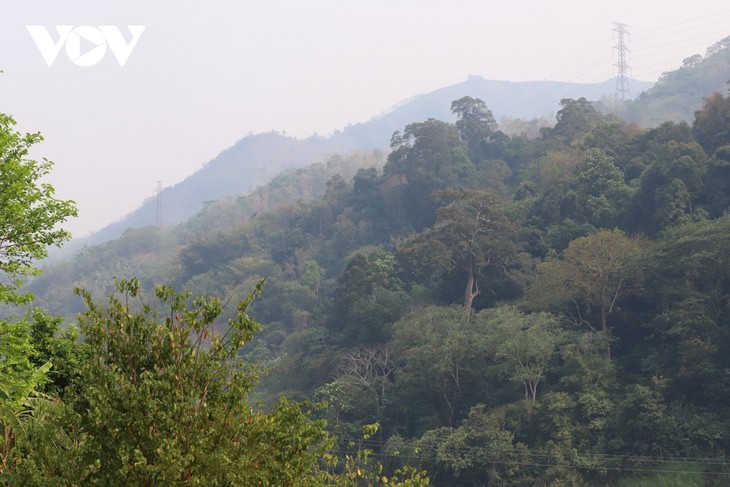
<point>472,288</point>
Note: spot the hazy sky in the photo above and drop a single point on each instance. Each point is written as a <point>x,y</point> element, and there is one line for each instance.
<point>205,74</point>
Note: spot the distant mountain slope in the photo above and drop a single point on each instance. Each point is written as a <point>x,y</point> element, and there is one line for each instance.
<point>252,161</point>
<point>255,159</point>
<point>679,93</point>
<point>526,100</point>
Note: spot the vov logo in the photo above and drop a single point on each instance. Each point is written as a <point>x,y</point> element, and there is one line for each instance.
<point>95,40</point>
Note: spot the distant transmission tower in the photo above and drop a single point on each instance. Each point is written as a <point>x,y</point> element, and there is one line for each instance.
<point>622,78</point>
<point>160,217</point>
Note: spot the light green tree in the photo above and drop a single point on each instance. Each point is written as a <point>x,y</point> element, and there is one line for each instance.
<point>525,343</point>
<point>30,216</point>
<point>163,399</point>
<point>29,213</point>
<point>444,348</point>
<point>592,274</point>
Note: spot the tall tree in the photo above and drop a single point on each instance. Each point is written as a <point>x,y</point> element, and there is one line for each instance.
<point>600,189</point>
<point>429,156</point>
<point>711,126</point>
<point>475,123</point>
<point>655,197</point>
<point>471,234</point>
<point>575,118</point>
<point>592,273</point>
<point>441,349</point>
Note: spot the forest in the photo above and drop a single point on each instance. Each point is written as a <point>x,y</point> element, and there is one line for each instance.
<point>470,309</point>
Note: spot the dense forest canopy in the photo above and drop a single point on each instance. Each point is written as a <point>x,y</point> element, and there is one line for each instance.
<point>508,311</point>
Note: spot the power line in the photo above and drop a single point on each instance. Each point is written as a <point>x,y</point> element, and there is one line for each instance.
<point>580,460</point>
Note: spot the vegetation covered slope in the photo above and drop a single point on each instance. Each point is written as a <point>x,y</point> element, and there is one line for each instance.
<point>679,93</point>
<point>150,393</point>
<point>510,311</point>
<point>255,159</point>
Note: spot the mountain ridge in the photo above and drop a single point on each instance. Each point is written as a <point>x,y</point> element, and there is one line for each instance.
<point>255,159</point>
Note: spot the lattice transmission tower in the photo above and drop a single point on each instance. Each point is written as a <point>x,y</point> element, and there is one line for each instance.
<point>622,65</point>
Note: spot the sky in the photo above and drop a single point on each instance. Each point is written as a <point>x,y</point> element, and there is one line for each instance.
<point>202,75</point>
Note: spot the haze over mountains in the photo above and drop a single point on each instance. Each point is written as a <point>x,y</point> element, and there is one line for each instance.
<point>543,297</point>
<point>255,159</point>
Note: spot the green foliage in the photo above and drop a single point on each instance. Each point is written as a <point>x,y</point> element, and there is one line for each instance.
<point>428,156</point>
<point>600,189</point>
<point>442,351</point>
<point>59,347</point>
<point>471,234</point>
<point>677,474</point>
<point>480,450</point>
<point>475,124</point>
<point>162,399</point>
<point>575,118</point>
<point>29,213</point>
<point>370,297</point>
<point>593,273</point>
<point>29,224</point>
<point>525,342</point>
<point>679,93</point>
<point>712,123</point>
<point>592,262</point>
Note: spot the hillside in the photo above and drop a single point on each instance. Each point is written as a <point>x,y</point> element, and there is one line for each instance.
<point>555,308</point>
<point>526,100</point>
<point>508,310</point>
<point>255,159</point>
<point>679,93</point>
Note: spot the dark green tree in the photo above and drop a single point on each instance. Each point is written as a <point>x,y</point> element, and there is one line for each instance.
<point>369,297</point>
<point>471,235</point>
<point>475,124</point>
<point>600,189</point>
<point>429,156</point>
<point>711,126</point>
<point>575,118</point>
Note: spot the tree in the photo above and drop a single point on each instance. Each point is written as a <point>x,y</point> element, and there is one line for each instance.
<point>711,126</point>
<point>475,123</point>
<point>687,275</point>
<point>576,117</point>
<point>163,400</point>
<point>600,189</point>
<point>659,196</point>
<point>444,349</point>
<point>481,451</point>
<point>29,213</point>
<point>526,342</point>
<point>429,156</point>
<point>19,377</point>
<point>471,234</point>
<point>370,370</point>
<point>592,273</point>
<point>369,297</point>
<point>29,219</point>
